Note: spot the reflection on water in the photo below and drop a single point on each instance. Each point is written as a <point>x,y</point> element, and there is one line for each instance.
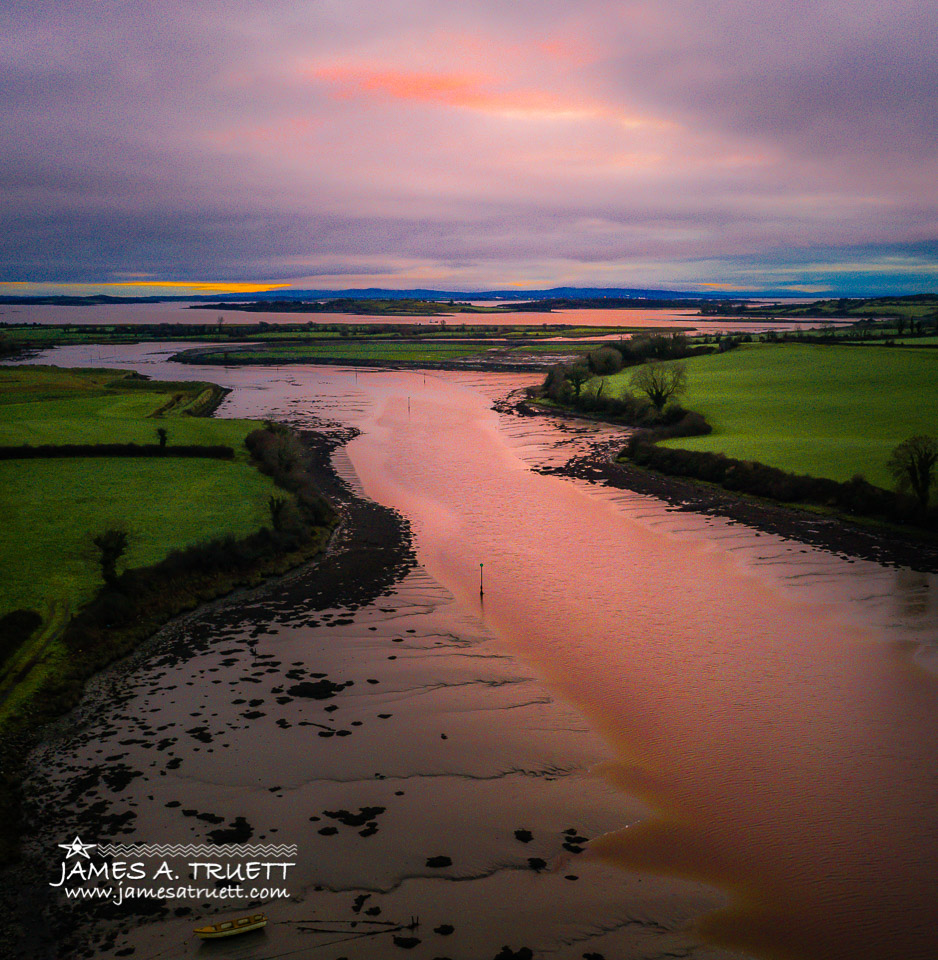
<point>757,694</point>
<point>786,743</point>
<point>180,313</point>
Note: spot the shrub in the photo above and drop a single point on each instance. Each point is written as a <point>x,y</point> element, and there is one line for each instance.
<point>856,496</point>
<point>604,361</point>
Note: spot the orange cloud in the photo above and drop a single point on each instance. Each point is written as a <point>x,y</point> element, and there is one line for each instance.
<point>206,286</point>
<point>451,90</point>
<point>467,92</point>
<point>178,287</point>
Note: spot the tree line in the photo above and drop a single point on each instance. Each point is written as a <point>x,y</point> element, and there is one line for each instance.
<point>650,405</point>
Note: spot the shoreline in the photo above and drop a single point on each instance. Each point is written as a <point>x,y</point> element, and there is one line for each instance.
<point>834,533</point>
<point>367,612</point>
<point>283,620</point>
<point>95,639</point>
<point>488,366</point>
<point>368,552</point>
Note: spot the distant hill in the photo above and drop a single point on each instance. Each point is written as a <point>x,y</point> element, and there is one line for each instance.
<point>90,301</point>
<point>557,297</point>
<point>554,293</point>
<point>379,293</point>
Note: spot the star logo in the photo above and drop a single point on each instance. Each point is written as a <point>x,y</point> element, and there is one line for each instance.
<point>78,849</point>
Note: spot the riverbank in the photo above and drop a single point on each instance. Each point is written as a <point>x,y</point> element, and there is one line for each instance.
<point>836,533</point>
<point>390,355</point>
<point>708,671</point>
<point>370,550</point>
<point>103,541</point>
<point>806,408</point>
<point>46,676</point>
<point>422,771</point>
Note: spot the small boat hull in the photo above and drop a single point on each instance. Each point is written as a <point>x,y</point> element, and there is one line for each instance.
<point>231,928</point>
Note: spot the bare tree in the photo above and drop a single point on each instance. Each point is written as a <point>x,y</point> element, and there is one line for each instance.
<point>912,464</point>
<point>660,382</point>
<point>577,374</point>
<point>111,546</point>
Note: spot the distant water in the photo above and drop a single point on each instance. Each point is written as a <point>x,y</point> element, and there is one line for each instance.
<point>179,312</point>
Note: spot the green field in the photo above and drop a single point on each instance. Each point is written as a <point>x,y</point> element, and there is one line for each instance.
<point>385,351</point>
<point>827,411</point>
<point>919,306</point>
<point>43,336</point>
<point>54,405</point>
<point>52,507</point>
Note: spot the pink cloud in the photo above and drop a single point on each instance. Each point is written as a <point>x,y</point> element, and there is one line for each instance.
<point>466,91</point>
<point>471,91</point>
<point>536,134</point>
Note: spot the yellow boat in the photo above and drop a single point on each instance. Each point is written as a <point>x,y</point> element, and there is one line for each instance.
<point>228,928</point>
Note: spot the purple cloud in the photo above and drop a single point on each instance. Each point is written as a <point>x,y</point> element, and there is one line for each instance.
<point>479,141</point>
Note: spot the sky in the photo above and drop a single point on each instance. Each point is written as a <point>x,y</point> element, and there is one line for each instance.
<point>782,145</point>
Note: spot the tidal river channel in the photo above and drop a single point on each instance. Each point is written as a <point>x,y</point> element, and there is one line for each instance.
<point>658,734</point>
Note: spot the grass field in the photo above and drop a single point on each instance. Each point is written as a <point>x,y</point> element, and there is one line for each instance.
<point>386,351</point>
<point>41,336</point>
<point>923,305</point>
<point>827,411</point>
<point>53,405</point>
<point>51,508</point>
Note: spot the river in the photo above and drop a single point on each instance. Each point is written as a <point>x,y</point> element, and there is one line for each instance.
<point>743,727</point>
<point>174,313</point>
